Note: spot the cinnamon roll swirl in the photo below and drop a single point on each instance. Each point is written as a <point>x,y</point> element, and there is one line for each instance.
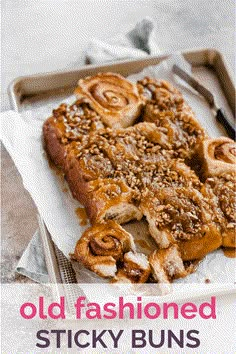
<point>102,246</point>
<point>113,97</point>
<point>166,107</point>
<point>162,94</point>
<point>217,156</point>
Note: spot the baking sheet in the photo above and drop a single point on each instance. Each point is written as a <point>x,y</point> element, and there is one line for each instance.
<point>57,207</point>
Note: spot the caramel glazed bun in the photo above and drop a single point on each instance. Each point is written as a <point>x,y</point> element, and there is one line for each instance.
<point>217,156</point>
<point>166,107</point>
<point>182,216</point>
<point>109,251</point>
<point>218,171</point>
<point>68,123</point>
<point>220,190</point>
<point>141,170</point>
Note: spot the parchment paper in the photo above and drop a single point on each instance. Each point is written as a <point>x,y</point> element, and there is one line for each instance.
<point>22,136</point>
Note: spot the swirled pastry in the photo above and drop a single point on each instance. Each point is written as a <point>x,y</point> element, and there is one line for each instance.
<point>111,199</point>
<point>181,215</point>
<point>221,190</point>
<point>166,107</point>
<point>162,94</point>
<point>113,97</point>
<point>102,246</point>
<point>68,123</point>
<point>135,268</point>
<point>217,156</point>
<point>167,264</point>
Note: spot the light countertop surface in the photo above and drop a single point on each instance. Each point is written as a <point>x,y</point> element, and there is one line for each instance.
<point>41,36</point>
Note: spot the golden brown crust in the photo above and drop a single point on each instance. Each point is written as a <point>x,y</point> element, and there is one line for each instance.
<point>55,149</point>
<point>166,107</point>
<point>178,214</point>
<point>113,97</point>
<point>111,199</point>
<point>68,123</point>
<point>217,156</point>
<point>200,245</point>
<point>222,193</point>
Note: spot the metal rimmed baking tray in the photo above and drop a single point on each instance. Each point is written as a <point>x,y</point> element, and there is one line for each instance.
<point>36,89</point>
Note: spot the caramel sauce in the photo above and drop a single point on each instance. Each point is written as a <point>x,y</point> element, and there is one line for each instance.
<point>81,213</point>
<point>58,171</point>
<point>198,247</point>
<point>143,244</point>
<point>223,151</point>
<point>229,252</point>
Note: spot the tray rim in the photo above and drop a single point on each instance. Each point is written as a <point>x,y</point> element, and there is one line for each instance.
<point>210,55</point>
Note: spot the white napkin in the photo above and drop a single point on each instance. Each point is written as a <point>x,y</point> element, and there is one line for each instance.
<point>137,43</point>
<point>32,263</point>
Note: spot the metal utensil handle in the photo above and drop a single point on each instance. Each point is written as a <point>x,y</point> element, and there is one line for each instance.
<point>229,127</point>
<point>194,84</point>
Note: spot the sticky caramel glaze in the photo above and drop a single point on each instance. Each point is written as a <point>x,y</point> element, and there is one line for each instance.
<point>110,199</point>
<point>68,123</point>
<point>198,247</point>
<point>166,107</point>
<point>81,213</point>
<point>229,239</point>
<point>134,268</point>
<point>220,190</point>
<point>229,252</point>
<point>143,244</point>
